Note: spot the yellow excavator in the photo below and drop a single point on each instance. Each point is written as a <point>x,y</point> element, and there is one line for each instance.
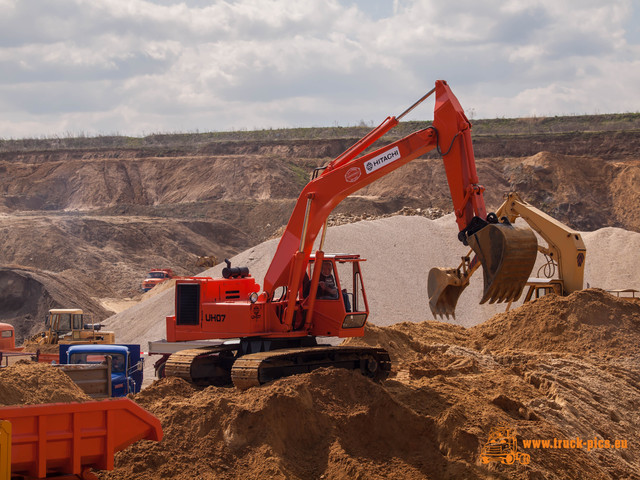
<point>565,255</point>
<point>207,261</point>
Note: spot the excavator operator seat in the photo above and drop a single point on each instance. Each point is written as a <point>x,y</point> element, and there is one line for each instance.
<point>327,285</point>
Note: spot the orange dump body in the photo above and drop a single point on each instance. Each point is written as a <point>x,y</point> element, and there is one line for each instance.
<point>69,438</point>
<point>33,353</point>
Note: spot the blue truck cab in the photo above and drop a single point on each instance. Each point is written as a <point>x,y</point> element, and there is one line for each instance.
<point>126,364</point>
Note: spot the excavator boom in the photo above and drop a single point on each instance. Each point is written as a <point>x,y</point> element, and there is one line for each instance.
<point>506,253</point>
<point>565,247</point>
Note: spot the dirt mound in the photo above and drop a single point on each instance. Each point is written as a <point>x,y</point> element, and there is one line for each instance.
<point>309,426</point>
<point>430,419</point>
<point>449,389</point>
<point>407,341</point>
<point>589,322</point>
<point>28,383</point>
<point>111,255</point>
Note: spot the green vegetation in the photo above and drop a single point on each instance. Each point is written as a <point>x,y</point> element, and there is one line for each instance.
<point>193,141</point>
<point>301,174</point>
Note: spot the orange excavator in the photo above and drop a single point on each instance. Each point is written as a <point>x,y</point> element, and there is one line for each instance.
<point>307,294</point>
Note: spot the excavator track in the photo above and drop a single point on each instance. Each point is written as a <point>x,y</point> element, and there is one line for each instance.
<point>256,369</point>
<point>202,366</point>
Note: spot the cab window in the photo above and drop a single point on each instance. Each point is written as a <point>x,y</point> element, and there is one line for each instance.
<point>327,285</point>
<point>352,292</point>
<point>117,360</point>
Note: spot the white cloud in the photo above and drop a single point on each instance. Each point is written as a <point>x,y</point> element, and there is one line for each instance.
<point>135,66</point>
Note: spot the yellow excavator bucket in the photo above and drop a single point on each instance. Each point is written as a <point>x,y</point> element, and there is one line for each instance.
<point>507,255</point>
<point>444,286</point>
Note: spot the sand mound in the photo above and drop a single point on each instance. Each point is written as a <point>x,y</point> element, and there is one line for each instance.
<point>590,321</point>
<point>27,383</point>
<point>330,422</point>
<point>407,341</point>
<point>395,273</point>
<point>430,419</point>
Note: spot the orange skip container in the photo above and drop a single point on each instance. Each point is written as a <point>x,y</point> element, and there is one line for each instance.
<point>71,438</point>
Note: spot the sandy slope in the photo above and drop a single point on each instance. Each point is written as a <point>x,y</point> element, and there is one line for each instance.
<point>399,251</point>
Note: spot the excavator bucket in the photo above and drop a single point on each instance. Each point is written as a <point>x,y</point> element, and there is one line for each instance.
<point>444,286</point>
<point>507,255</point>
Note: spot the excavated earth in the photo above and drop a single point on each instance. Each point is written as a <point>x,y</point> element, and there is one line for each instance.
<point>81,228</point>
<point>449,388</point>
<point>29,383</point>
<point>543,370</point>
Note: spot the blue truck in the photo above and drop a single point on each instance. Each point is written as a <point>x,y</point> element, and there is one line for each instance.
<point>126,364</point>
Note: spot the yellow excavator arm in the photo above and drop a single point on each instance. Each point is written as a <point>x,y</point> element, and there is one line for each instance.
<point>565,245</point>
<point>565,248</point>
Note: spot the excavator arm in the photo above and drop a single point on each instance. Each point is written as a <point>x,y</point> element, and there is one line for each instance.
<point>277,328</point>
<point>565,248</point>
<point>450,135</point>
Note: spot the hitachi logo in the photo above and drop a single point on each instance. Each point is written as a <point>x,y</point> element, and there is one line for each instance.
<point>381,160</point>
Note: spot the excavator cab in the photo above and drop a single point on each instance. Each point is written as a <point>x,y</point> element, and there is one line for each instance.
<point>340,293</point>
<point>62,321</point>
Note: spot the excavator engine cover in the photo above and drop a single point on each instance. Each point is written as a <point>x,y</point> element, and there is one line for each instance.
<point>507,255</point>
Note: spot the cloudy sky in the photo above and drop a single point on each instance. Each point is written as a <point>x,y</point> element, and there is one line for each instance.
<point>136,67</point>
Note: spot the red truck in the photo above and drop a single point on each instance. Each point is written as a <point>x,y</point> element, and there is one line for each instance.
<point>156,276</point>
<point>7,337</point>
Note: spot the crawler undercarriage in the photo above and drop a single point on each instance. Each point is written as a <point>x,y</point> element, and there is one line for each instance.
<point>253,363</point>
